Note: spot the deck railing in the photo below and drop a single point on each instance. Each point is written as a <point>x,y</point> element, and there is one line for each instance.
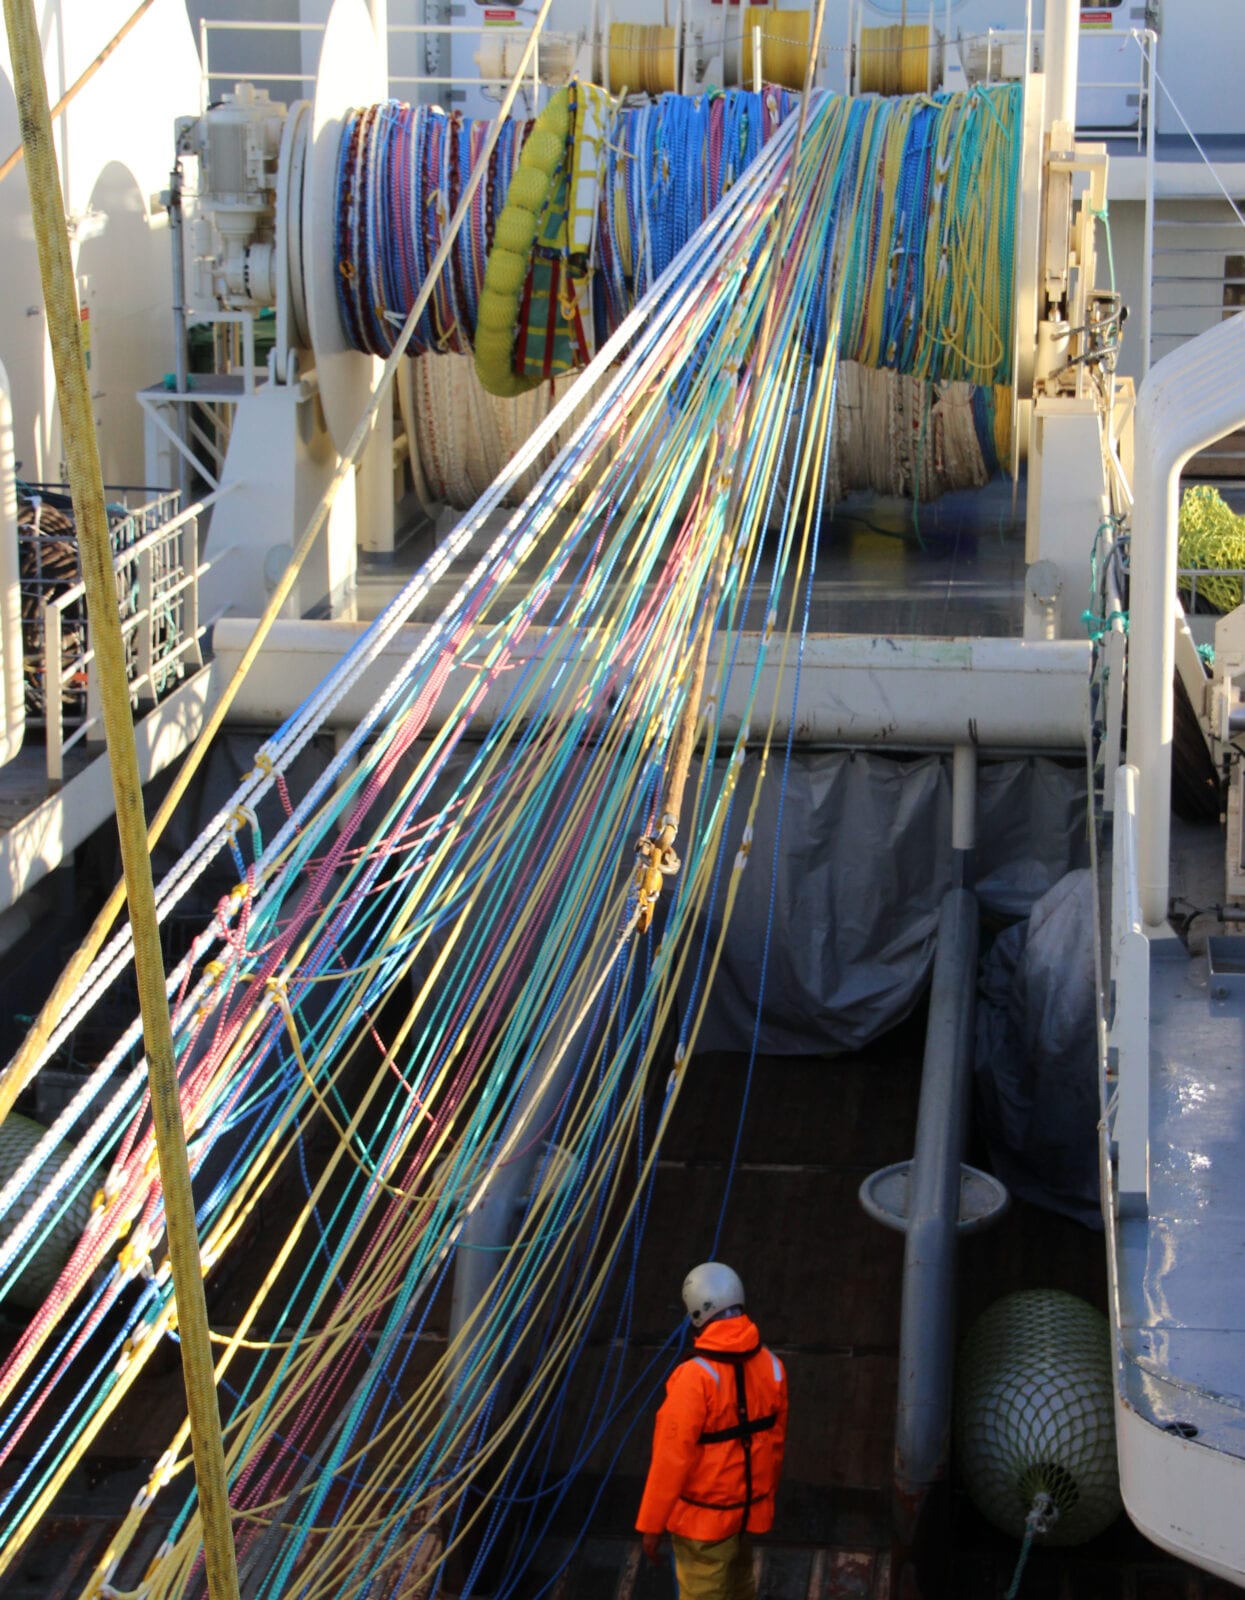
<point>157,575</point>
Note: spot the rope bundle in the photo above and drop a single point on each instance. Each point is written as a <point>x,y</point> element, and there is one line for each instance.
<point>900,435</point>
<point>928,258</point>
<point>924,255</point>
<point>401,171</point>
<point>463,437</point>
<point>892,434</point>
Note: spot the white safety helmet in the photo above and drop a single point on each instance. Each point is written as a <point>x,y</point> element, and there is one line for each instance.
<point>709,1290</point>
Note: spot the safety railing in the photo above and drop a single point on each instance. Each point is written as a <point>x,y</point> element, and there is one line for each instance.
<point>1116,104</point>
<point>1188,578</point>
<point>305,79</point>
<point>1110,102</point>
<point>1195,286</point>
<point>1198,270</point>
<point>251,71</point>
<point>157,577</point>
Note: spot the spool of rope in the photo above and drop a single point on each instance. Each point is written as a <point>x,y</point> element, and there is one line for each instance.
<point>634,185</point>
<point>924,257</point>
<point>462,436</point>
<point>644,59</point>
<point>898,435</point>
<point>784,45</point>
<point>895,60</point>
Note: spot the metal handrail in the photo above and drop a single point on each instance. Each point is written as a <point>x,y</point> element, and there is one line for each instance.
<point>166,599</point>
<point>479,30</point>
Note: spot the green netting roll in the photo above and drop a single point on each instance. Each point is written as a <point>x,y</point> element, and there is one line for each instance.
<point>52,1246</point>
<point>1035,1412</point>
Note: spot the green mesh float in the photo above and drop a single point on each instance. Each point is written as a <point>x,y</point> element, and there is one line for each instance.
<point>1035,1414</point>
<point>1212,537</point>
<point>52,1245</point>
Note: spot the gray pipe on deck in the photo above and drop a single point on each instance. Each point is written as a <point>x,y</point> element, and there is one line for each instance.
<point>927,1321</point>
<point>491,1224</point>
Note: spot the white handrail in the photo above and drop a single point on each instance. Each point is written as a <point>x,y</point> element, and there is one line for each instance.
<point>168,599</point>
<point>1129,1036</point>
<point>12,677</point>
<point>1189,399</point>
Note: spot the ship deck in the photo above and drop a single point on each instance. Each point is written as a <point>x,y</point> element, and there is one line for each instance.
<point>953,568</point>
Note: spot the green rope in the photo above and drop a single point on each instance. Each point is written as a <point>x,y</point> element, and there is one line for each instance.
<point>1043,1514</point>
<point>1106,224</point>
<point>1098,626</point>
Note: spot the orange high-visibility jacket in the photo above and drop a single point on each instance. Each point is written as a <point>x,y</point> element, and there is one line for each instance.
<point>718,1443</point>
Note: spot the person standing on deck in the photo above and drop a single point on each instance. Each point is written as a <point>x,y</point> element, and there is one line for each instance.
<point>717,1445</point>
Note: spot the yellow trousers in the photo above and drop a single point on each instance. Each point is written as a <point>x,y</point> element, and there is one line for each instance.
<point>721,1570</point>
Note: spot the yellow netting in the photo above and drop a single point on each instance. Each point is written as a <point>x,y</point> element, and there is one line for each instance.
<point>1212,538</point>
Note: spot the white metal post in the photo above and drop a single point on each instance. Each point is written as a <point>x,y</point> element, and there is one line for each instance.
<point>53,690</point>
<point>145,643</point>
<point>1061,49</point>
<point>1129,1037</point>
<point>1147,270</point>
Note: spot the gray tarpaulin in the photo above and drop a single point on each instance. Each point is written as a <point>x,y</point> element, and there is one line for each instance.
<point>1037,1064</point>
<point>865,860</point>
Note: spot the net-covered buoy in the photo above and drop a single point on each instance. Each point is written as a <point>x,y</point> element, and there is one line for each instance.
<point>1035,1415</point>
<point>18,1137</point>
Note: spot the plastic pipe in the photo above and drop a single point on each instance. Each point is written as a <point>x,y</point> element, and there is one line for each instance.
<point>181,361</point>
<point>1187,400</point>
<point>963,814</point>
<point>1061,46</point>
<point>12,684</point>
<point>927,1318</point>
<point>494,1214</point>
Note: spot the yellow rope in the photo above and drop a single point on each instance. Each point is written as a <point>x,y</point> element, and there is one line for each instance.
<point>784,45</point>
<point>894,60</point>
<point>643,59</point>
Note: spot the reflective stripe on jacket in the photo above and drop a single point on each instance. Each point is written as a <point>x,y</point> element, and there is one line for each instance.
<point>714,1470</point>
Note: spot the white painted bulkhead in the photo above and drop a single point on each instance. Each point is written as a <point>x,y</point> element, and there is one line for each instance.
<point>115,148</point>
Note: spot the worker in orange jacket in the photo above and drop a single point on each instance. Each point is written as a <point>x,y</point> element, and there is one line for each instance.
<point>717,1446</point>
